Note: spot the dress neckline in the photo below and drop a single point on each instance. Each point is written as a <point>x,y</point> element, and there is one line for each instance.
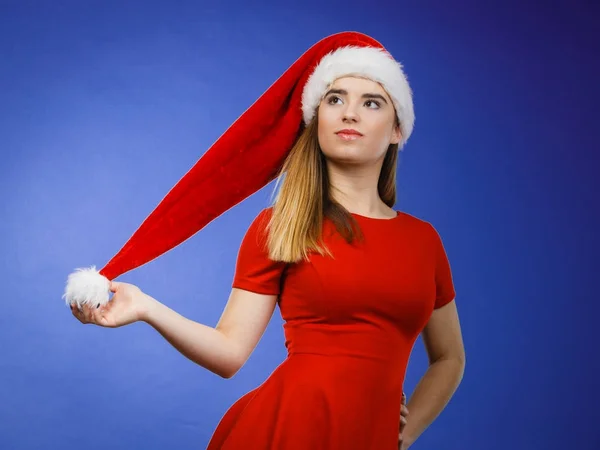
<point>377,219</point>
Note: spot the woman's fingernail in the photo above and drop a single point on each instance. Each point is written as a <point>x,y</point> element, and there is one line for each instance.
<point>98,306</point>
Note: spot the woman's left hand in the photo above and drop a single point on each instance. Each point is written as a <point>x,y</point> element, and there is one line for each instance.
<point>403,420</point>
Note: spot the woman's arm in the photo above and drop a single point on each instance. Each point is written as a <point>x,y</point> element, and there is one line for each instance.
<point>444,345</point>
<point>224,349</point>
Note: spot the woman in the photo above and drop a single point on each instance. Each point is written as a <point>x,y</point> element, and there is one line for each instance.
<point>356,282</point>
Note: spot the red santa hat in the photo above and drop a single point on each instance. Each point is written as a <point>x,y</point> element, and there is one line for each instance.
<point>249,154</point>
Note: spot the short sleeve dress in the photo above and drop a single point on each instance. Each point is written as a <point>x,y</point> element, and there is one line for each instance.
<point>350,323</point>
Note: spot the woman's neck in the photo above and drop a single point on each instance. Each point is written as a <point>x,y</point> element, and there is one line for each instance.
<point>358,192</point>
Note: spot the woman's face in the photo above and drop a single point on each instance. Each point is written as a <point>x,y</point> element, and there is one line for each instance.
<point>356,122</point>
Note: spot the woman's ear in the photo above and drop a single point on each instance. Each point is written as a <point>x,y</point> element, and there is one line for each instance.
<point>396,135</point>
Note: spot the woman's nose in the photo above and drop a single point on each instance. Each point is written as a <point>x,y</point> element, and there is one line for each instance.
<point>350,114</point>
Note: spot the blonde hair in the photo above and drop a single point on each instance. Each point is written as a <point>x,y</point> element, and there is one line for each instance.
<point>304,200</point>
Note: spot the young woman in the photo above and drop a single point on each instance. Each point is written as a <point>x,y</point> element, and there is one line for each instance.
<point>356,282</point>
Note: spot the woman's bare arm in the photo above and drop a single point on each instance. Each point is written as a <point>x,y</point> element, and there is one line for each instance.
<point>444,345</point>
<point>224,349</point>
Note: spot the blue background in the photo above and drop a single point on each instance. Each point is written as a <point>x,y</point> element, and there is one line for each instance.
<point>106,105</point>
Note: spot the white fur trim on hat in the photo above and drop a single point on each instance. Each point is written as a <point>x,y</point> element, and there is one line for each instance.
<point>368,62</point>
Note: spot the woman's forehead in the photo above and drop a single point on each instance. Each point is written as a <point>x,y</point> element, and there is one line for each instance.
<point>359,85</point>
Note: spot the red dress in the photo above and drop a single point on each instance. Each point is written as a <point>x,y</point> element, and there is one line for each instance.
<point>350,325</point>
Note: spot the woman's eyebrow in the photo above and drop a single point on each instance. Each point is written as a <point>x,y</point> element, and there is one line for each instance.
<point>381,97</point>
<point>344,92</point>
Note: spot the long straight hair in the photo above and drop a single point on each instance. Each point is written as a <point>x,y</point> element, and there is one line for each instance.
<point>304,200</point>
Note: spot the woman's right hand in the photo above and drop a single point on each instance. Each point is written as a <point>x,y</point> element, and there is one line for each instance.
<point>128,304</point>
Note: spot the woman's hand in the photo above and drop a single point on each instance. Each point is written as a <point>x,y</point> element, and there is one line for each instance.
<point>128,304</point>
<point>403,419</point>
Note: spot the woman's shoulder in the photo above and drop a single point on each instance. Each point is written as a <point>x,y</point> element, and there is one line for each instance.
<point>412,219</point>
<point>263,216</point>
<point>260,222</point>
<point>417,224</point>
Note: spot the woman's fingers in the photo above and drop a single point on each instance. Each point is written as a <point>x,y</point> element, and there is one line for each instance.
<point>74,311</point>
<point>404,411</point>
<point>403,422</point>
<point>85,313</point>
<point>78,313</point>
<point>403,415</point>
<point>96,314</point>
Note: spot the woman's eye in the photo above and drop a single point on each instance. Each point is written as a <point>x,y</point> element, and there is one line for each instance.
<point>333,100</point>
<point>372,104</point>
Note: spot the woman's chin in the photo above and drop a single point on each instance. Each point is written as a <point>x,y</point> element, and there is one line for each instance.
<point>347,158</point>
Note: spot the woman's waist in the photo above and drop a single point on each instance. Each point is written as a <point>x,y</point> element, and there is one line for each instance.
<point>317,371</point>
<point>354,343</point>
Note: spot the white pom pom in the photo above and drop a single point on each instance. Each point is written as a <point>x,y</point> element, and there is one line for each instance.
<point>87,286</point>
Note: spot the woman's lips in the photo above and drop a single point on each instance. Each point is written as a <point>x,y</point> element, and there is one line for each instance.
<point>348,135</point>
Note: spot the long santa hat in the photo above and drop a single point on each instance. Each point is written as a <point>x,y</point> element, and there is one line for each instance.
<point>249,154</point>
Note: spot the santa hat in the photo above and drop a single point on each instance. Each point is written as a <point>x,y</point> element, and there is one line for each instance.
<point>249,154</point>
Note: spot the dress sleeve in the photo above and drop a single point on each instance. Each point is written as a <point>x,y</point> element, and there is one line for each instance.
<point>254,270</point>
<point>445,292</point>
